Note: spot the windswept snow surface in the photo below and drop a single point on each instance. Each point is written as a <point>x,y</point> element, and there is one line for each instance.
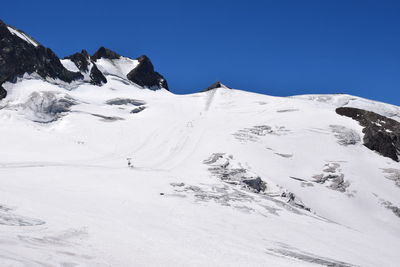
<point>68,197</point>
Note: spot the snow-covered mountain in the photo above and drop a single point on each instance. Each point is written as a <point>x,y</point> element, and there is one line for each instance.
<point>96,169</point>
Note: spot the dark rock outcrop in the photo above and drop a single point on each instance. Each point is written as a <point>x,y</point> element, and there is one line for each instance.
<point>145,76</point>
<point>3,92</point>
<point>81,60</point>
<point>138,109</point>
<point>96,76</point>
<point>381,134</point>
<point>125,101</point>
<point>257,184</point>
<point>18,56</point>
<point>105,53</point>
<point>215,86</point>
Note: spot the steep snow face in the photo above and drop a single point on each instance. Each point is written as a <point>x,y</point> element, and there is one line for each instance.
<point>219,178</point>
<point>69,65</point>
<point>117,67</point>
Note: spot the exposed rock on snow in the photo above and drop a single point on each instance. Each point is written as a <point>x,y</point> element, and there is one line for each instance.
<point>215,86</point>
<point>96,76</point>
<point>103,52</point>
<point>47,106</point>
<point>232,172</point>
<point>17,57</point>
<point>381,134</point>
<point>138,109</point>
<point>256,183</point>
<point>81,60</point>
<point>125,101</point>
<point>145,76</point>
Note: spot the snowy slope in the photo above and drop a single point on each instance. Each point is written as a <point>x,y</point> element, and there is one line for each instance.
<point>68,197</point>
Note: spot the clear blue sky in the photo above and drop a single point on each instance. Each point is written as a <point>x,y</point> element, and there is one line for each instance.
<point>276,47</point>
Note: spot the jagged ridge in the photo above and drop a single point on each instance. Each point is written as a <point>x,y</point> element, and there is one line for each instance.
<point>20,55</point>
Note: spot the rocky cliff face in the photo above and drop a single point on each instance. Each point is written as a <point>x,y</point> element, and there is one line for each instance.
<point>20,54</point>
<point>105,53</point>
<point>145,76</point>
<point>381,134</point>
<point>81,60</point>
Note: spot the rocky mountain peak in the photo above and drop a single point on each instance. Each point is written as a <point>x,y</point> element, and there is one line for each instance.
<point>145,76</point>
<point>81,60</point>
<point>21,54</point>
<point>103,52</point>
<point>216,85</point>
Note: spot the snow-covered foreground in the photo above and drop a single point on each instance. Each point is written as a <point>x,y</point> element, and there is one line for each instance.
<point>68,197</point>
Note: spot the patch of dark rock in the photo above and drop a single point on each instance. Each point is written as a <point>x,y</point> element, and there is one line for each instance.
<point>257,184</point>
<point>3,92</point>
<point>96,76</point>
<point>125,101</point>
<point>103,52</point>
<point>107,118</point>
<point>138,109</point>
<point>381,134</point>
<point>18,57</point>
<point>215,86</point>
<point>145,76</point>
<point>81,60</point>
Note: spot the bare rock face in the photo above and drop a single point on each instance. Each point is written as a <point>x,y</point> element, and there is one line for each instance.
<point>3,92</point>
<point>81,60</point>
<point>256,183</point>
<point>381,134</point>
<point>19,56</point>
<point>96,76</point>
<point>145,76</point>
<point>215,86</point>
<point>105,53</point>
